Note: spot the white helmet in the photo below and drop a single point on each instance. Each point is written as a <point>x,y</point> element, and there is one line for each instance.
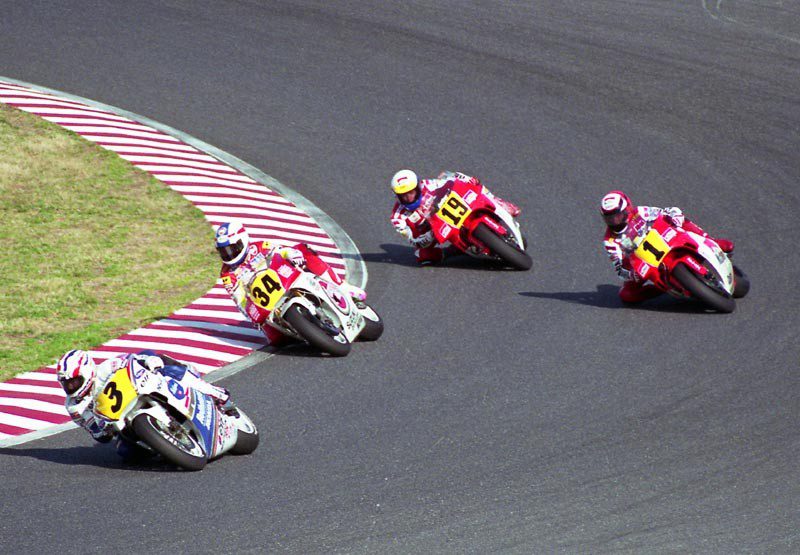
<point>232,241</point>
<point>404,181</point>
<point>75,372</point>
<point>406,186</point>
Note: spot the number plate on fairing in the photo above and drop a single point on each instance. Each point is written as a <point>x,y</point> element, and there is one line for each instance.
<point>454,210</point>
<point>653,248</point>
<point>266,289</point>
<point>117,394</point>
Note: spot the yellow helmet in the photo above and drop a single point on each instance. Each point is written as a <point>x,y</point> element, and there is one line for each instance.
<point>404,181</point>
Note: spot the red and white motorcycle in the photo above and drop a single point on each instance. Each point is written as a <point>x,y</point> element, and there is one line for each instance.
<point>304,306</point>
<point>687,265</point>
<point>473,223</point>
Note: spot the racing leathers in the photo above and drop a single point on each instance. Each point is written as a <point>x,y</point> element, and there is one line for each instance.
<point>82,410</point>
<point>619,247</point>
<point>414,226</point>
<point>259,253</point>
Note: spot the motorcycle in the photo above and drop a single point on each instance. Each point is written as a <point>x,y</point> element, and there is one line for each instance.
<point>163,416</point>
<point>473,223</point>
<point>687,265</point>
<point>304,306</point>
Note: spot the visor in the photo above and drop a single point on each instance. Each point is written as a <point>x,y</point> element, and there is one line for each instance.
<point>230,252</point>
<point>71,385</point>
<point>616,220</point>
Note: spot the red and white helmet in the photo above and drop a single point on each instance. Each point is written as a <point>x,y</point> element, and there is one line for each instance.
<point>75,372</point>
<point>232,241</point>
<point>617,210</point>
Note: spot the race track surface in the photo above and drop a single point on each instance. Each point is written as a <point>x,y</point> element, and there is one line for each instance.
<point>513,412</point>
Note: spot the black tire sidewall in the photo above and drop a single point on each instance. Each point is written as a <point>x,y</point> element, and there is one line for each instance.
<point>145,431</point>
<point>313,334</point>
<point>511,255</point>
<point>701,291</point>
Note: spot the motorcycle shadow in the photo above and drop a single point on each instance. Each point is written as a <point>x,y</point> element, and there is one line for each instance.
<point>100,456</point>
<point>607,296</point>
<point>403,255</point>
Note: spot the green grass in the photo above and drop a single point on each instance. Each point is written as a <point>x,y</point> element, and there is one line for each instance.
<point>92,246</point>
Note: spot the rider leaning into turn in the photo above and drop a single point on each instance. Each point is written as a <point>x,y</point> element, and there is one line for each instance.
<point>241,260</point>
<point>625,221</point>
<point>82,380</point>
<point>412,209</point>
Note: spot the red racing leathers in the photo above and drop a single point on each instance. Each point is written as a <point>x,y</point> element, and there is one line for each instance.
<point>619,247</point>
<point>235,279</point>
<point>413,224</point>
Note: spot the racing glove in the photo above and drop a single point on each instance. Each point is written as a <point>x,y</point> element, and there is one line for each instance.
<point>100,433</point>
<point>675,215</point>
<point>405,231</point>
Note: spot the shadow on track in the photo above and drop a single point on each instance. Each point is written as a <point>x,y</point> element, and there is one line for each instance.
<point>607,296</point>
<point>101,456</point>
<point>403,255</point>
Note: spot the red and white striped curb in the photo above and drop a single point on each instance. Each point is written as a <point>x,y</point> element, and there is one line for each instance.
<point>210,332</point>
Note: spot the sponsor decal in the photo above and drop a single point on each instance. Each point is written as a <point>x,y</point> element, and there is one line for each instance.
<point>176,389</point>
<point>445,230</point>
<point>470,197</point>
<point>414,217</point>
<point>226,280</point>
<point>669,235</point>
<point>285,271</point>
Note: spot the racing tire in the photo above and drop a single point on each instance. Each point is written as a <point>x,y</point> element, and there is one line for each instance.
<point>247,439</point>
<point>303,323</point>
<point>150,431</point>
<point>510,254</point>
<point>701,291</point>
<point>741,283</point>
<point>373,329</point>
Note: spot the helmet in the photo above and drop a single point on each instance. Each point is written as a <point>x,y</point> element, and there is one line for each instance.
<point>232,242</point>
<point>406,186</point>
<point>617,210</point>
<point>75,372</point>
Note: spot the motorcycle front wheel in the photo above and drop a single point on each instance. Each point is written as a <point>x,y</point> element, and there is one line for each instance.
<point>309,328</point>
<point>373,329</point>
<point>701,291</point>
<point>510,254</point>
<point>174,443</point>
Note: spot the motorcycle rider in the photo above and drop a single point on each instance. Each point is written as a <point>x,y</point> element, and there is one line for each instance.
<point>241,259</point>
<point>412,209</point>
<point>82,380</point>
<point>624,220</point>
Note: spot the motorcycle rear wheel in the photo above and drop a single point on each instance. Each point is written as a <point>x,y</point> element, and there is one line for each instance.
<point>246,440</point>
<point>373,329</point>
<point>510,254</point>
<point>168,445</point>
<point>741,284</point>
<point>701,291</point>
<point>303,323</point>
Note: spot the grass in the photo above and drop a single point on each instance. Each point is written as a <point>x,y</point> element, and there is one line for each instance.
<point>92,246</point>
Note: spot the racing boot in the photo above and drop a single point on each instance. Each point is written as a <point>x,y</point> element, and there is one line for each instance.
<point>225,405</point>
<point>509,207</point>
<point>356,293</point>
<point>726,245</point>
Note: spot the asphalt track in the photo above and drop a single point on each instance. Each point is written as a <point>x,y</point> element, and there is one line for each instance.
<point>516,412</point>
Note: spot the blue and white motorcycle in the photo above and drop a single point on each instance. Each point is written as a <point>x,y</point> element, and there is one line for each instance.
<point>165,416</point>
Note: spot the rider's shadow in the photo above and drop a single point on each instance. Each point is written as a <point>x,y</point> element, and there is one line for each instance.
<point>607,296</point>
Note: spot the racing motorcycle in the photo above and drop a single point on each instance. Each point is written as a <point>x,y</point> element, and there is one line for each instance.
<point>161,415</point>
<point>473,223</point>
<point>687,265</point>
<point>304,306</point>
